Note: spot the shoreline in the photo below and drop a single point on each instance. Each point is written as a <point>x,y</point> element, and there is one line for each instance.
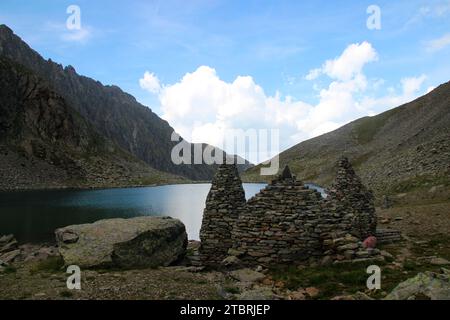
<point>66,188</point>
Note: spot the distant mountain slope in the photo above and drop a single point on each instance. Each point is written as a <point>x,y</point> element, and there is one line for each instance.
<point>45,143</point>
<point>114,113</point>
<point>403,149</point>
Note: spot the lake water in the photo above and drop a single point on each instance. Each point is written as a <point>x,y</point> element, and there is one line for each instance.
<point>32,216</point>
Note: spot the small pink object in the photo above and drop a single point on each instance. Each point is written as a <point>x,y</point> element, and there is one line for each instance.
<point>370,242</point>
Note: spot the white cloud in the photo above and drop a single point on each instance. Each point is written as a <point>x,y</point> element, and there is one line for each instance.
<point>411,88</point>
<point>348,64</point>
<point>313,74</point>
<point>150,82</point>
<point>412,85</point>
<point>201,106</point>
<point>439,43</point>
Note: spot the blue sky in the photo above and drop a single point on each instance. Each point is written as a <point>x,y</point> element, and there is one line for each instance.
<point>275,43</point>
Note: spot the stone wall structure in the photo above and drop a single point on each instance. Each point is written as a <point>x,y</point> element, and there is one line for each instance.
<point>287,222</point>
<point>278,225</point>
<point>352,197</point>
<point>225,200</point>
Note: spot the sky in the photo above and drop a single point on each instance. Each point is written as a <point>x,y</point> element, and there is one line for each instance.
<point>300,67</point>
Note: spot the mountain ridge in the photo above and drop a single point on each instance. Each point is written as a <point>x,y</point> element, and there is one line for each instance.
<point>114,113</point>
<point>403,149</point>
<point>44,143</point>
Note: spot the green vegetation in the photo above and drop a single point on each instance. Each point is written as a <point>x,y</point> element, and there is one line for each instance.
<point>350,278</point>
<point>366,128</point>
<point>51,264</point>
<point>419,182</point>
<point>330,280</point>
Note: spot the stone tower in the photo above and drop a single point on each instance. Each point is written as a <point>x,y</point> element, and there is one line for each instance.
<point>226,199</point>
<point>352,197</point>
<point>278,225</point>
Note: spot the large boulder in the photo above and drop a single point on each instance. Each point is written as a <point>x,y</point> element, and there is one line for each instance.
<point>135,242</point>
<point>427,285</point>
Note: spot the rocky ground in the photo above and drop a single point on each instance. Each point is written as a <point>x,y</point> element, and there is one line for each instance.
<point>420,259</point>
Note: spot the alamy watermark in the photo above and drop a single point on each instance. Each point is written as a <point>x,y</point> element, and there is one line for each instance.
<point>374,280</point>
<point>374,20</point>
<point>74,280</point>
<point>73,22</point>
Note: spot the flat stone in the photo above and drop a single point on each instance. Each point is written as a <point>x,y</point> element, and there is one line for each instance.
<point>386,254</point>
<point>10,246</point>
<point>247,275</point>
<point>439,262</point>
<point>349,246</point>
<point>9,257</point>
<point>312,291</point>
<point>234,252</point>
<point>298,295</point>
<point>231,261</point>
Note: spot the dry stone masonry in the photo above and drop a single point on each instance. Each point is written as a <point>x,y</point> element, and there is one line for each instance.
<point>225,201</point>
<point>278,225</point>
<point>287,222</point>
<point>352,197</point>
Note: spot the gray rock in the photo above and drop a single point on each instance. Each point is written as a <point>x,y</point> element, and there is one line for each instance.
<point>247,275</point>
<point>432,285</point>
<point>349,246</point>
<point>386,254</point>
<point>231,261</point>
<point>10,246</point>
<point>136,242</point>
<point>439,262</point>
<point>6,239</point>
<point>10,256</point>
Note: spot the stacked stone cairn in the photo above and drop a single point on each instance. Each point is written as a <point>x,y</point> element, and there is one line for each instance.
<point>286,222</point>
<point>348,218</point>
<point>278,225</point>
<point>351,196</point>
<point>225,200</point>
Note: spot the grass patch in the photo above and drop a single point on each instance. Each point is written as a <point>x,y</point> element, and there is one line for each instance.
<point>349,278</point>
<point>232,289</point>
<point>438,244</point>
<point>366,128</point>
<point>418,182</point>
<point>330,280</point>
<point>51,264</point>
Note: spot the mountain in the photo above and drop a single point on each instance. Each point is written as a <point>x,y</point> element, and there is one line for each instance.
<point>46,143</point>
<point>403,150</point>
<point>113,113</point>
